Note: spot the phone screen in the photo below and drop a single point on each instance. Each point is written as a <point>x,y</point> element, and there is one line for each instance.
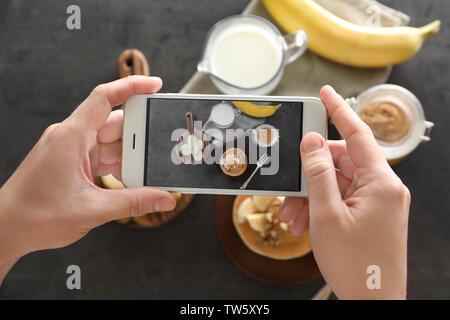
<point>218,144</point>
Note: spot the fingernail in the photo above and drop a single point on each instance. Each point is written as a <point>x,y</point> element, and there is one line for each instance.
<point>282,205</point>
<point>312,142</point>
<point>281,212</point>
<point>294,228</point>
<point>164,204</point>
<point>327,87</point>
<point>331,88</point>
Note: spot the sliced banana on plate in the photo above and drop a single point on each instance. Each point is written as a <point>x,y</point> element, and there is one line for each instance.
<point>247,207</point>
<point>258,221</point>
<point>262,202</point>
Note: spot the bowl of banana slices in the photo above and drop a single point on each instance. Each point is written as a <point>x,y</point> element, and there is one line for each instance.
<point>192,143</point>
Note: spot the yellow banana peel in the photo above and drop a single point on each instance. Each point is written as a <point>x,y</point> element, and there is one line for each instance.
<point>256,110</point>
<point>348,43</point>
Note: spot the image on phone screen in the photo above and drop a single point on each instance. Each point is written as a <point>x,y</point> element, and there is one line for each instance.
<point>213,144</point>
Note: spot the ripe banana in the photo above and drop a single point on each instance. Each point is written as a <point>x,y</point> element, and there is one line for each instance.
<point>348,43</point>
<point>256,110</point>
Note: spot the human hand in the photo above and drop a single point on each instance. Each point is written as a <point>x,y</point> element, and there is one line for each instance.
<point>357,209</point>
<point>51,201</point>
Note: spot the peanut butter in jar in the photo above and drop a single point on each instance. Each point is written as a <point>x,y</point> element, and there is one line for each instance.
<point>396,118</point>
<point>387,120</point>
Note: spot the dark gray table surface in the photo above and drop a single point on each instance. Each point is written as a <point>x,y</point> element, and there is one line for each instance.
<point>46,71</point>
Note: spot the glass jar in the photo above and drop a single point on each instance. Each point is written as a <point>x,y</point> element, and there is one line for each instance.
<point>419,128</point>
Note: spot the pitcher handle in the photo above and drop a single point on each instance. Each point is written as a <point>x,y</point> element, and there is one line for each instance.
<point>296,44</point>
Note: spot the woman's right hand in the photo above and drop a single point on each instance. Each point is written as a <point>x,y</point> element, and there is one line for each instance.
<point>357,209</point>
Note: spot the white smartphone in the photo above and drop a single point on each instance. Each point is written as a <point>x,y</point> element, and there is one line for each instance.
<point>218,144</point>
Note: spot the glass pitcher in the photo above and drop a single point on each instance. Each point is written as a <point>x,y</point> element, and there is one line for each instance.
<point>290,47</point>
<point>222,116</point>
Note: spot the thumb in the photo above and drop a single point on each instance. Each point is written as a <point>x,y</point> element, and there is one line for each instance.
<point>132,202</point>
<point>319,171</point>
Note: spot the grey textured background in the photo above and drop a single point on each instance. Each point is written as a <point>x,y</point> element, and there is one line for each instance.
<point>46,70</point>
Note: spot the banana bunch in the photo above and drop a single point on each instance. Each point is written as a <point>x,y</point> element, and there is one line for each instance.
<point>348,43</point>
<point>256,110</point>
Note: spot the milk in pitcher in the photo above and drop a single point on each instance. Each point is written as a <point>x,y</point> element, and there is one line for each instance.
<point>246,55</point>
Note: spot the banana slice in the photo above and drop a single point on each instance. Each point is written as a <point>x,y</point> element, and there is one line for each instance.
<point>190,139</point>
<point>246,207</point>
<point>199,144</point>
<point>262,202</point>
<point>197,149</point>
<point>185,150</point>
<point>258,221</point>
<point>284,226</point>
<point>198,156</point>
